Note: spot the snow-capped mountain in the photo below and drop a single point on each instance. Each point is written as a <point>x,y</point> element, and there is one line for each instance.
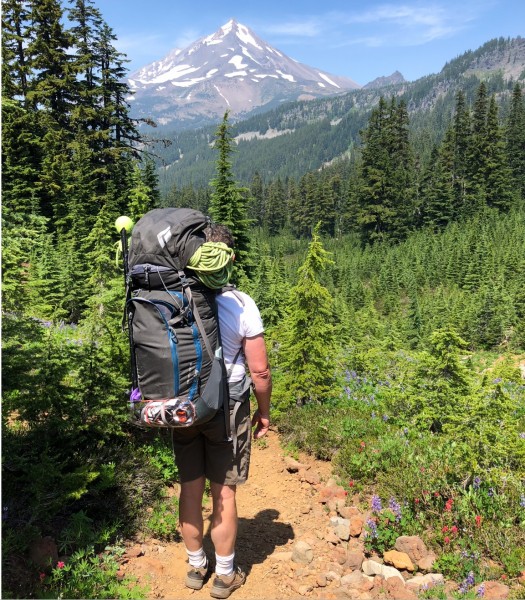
<point>232,69</point>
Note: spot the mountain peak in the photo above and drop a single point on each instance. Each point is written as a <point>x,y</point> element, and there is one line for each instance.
<point>380,82</point>
<point>231,69</point>
<point>234,28</point>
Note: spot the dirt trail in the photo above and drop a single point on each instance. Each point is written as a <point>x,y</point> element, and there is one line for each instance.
<point>275,510</point>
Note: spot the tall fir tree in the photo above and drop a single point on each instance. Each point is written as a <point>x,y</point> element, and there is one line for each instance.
<point>256,207</point>
<point>461,139</point>
<point>375,212</point>
<point>475,197</point>
<point>307,353</point>
<point>515,142</point>
<point>229,201</point>
<point>275,207</point>
<point>437,193</point>
<point>497,173</point>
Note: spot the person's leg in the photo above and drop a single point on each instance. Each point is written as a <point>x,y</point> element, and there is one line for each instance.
<point>224,518</point>
<point>190,513</point>
<point>228,577</point>
<point>191,527</point>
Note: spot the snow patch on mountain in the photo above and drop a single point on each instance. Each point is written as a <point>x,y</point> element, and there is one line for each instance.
<point>236,61</point>
<point>326,78</point>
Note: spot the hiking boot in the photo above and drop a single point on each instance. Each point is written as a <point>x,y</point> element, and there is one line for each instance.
<point>224,585</point>
<point>195,577</point>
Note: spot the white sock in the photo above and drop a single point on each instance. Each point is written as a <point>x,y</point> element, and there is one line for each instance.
<point>224,564</point>
<point>197,559</point>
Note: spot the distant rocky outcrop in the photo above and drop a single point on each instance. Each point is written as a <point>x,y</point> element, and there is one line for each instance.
<point>380,82</point>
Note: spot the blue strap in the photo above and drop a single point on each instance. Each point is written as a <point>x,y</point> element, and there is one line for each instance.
<point>194,386</point>
<point>198,366</point>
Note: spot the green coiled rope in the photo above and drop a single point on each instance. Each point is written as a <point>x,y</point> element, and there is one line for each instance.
<point>213,264</point>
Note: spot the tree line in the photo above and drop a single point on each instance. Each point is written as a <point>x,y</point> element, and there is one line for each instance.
<point>387,190</point>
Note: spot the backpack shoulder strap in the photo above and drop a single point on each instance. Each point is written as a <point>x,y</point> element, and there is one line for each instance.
<point>187,292</point>
<point>230,287</point>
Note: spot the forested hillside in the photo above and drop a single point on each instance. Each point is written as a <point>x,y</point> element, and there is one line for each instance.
<point>391,289</point>
<point>306,135</point>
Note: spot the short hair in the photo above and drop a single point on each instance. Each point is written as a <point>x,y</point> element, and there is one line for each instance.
<point>215,232</point>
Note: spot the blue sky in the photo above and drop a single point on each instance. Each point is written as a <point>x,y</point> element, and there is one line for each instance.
<point>358,39</point>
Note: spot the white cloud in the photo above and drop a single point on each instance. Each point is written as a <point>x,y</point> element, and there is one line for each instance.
<point>387,24</point>
<point>410,25</point>
<point>301,28</point>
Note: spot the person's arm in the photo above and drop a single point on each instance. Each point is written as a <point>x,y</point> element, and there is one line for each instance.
<point>257,360</point>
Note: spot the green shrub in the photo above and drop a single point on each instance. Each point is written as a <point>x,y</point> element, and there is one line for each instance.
<point>89,575</point>
<point>163,520</point>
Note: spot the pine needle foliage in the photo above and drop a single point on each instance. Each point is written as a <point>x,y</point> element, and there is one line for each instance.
<point>308,349</point>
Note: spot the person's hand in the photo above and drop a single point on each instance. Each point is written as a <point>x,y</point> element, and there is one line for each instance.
<point>262,424</point>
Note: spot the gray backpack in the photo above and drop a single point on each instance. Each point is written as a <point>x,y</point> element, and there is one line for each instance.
<point>178,372</point>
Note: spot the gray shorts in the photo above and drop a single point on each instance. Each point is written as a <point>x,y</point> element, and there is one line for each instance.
<point>204,450</point>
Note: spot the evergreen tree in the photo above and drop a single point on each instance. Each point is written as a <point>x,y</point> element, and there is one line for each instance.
<point>436,189</point>
<point>228,204</point>
<point>387,178</point>
<point>16,64</point>
<point>140,200</point>
<point>256,208</point>
<point>515,138</point>
<point>402,171</point>
<point>461,139</point>
<point>307,354</point>
<point>151,181</point>
<point>374,213</point>
<point>475,197</point>
<point>52,85</point>
<point>497,173</point>
<point>275,207</point>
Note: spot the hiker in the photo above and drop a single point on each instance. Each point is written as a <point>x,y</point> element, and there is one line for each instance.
<point>202,453</point>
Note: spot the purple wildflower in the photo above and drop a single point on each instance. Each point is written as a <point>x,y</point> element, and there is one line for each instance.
<point>476,483</point>
<point>371,524</point>
<point>467,583</point>
<point>385,418</point>
<point>373,415</point>
<point>481,591</point>
<point>376,504</point>
<point>395,508</point>
<point>497,380</point>
<point>522,501</point>
<point>491,492</point>
<point>522,435</point>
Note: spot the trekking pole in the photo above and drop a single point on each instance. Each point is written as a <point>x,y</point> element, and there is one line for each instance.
<point>124,226</point>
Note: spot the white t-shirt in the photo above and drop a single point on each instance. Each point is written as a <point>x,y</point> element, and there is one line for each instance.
<point>236,323</point>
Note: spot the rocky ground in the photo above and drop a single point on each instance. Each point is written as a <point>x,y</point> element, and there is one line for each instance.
<point>299,536</point>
